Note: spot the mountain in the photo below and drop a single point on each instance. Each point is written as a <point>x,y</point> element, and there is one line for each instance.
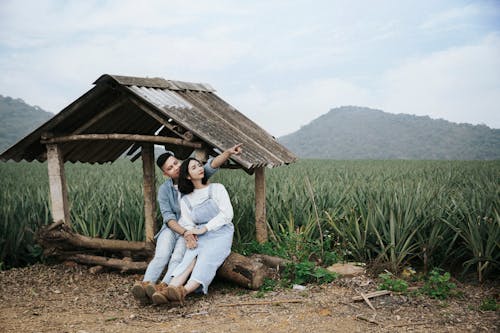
<point>352,132</point>
<point>17,119</point>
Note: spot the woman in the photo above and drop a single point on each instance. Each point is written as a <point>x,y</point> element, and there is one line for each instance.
<point>207,213</point>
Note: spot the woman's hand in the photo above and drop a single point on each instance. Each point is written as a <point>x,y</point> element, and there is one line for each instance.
<point>200,231</point>
<point>191,240</point>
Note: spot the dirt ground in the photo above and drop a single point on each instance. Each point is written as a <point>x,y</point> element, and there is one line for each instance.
<point>68,298</point>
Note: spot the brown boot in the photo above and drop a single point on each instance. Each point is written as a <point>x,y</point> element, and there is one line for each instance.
<point>176,294</point>
<point>160,297</point>
<point>139,292</point>
<point>152,288</point>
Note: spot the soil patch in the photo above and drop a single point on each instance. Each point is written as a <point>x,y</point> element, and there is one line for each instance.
<point>68,298</point>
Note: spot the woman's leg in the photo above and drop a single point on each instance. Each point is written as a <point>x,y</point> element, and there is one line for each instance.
<point>180,279</point>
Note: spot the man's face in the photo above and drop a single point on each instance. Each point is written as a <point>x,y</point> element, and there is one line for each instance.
<point>171,168</point>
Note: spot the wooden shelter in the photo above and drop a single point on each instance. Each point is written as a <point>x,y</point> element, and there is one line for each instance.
<point>129,115</point>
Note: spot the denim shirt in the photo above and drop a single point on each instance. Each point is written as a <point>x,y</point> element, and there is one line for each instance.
<point>168,197</point>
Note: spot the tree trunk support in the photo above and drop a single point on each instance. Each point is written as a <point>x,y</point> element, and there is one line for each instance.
<point>148,168</point>
<point>57,185</point>
<point>260,206</point>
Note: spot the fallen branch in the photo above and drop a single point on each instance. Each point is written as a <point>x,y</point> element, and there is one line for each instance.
<point>368,302</point>
<point>123,265</point>
<point>372,294</point>
<point>409,324</point>
<point>371,321</point>
<point>264,302</point>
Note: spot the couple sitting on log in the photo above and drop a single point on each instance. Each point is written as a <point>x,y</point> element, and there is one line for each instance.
<point>197,231</point>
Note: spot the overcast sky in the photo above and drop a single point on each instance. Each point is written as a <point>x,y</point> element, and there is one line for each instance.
<point>281,63</point>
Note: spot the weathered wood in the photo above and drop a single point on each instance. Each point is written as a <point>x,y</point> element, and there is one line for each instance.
<point>260,205</point>
<point>367,301</point>
<point>148,167</point>
<point>57,185</point>
<point>201,155</point>
<point>122,264</point>
<point>121,137</point>
<point>243,271</point>
<point>63,237</point>
<point>264,302</point>
<point>98,116</point>
<point>372,294</point>
<point>270,261</point>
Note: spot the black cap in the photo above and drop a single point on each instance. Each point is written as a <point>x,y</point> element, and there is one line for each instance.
<point>163,158</point>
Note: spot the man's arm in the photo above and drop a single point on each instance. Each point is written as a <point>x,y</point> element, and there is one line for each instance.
<point>222,158</point>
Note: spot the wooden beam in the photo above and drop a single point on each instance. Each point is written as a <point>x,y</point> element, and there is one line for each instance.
<point>260,206</point>
<point>121,137</point>
<point>57,185</point>
<point>148,168</point>
<point>201,155</point>
<point>99,116</point>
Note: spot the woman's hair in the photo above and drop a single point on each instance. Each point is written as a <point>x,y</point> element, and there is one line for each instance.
<point>186,185</point>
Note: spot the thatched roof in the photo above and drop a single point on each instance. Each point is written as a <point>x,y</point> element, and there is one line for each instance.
<point>190,112</point>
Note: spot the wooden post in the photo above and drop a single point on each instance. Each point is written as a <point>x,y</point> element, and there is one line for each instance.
<point>201,155</point>
<point>57,185</point>
<point>148,168</point>
<point>260,205</point>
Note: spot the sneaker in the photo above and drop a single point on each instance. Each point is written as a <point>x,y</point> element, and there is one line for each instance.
<point>139,292</point>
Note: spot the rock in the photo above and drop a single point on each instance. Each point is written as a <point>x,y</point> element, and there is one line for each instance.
<point>349,269</point>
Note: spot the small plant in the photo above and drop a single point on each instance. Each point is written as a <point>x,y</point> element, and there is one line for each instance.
<point>438,285</point>
<point>489,304</point>
<point>391,283</point>
<point>268,285</point>
<point>307,272</point>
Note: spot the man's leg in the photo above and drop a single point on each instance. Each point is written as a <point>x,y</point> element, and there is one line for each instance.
<point>164,245</point>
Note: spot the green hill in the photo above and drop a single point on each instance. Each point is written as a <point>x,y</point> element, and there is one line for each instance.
<point>351,132</point>
<point>18,119</point>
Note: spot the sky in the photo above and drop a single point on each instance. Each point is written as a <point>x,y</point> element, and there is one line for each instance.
<point>281,63</point>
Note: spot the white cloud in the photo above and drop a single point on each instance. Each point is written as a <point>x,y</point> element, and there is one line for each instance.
<point>460,84</point>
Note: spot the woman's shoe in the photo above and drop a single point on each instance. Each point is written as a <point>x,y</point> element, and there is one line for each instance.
<point>159,297</point>
<point>176,294</point>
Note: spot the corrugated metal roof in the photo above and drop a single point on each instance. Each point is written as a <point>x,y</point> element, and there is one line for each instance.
<point>131,105</point>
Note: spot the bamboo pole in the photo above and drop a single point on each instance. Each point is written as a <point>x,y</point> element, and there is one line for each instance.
<point>57,185</point>
<point>260,205</point>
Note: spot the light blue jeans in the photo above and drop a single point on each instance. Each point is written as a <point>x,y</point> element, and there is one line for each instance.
<point>170,249</point>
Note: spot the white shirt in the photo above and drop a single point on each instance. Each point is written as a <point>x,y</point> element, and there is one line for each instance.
<point>221,198</point>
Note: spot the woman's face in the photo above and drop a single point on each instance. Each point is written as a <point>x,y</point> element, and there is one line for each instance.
<point>195,170</point>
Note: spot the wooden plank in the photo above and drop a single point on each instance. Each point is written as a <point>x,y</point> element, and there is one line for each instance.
<point>121,137</point>
<point>148,167</point>
<point>368,301</point>
<point>57,185</point>
<point>260,206</point>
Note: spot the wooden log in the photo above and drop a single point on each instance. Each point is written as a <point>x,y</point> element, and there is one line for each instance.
<point>260,206</point>
<point>62,237</point>
<point>120,264</point>
<point>121,137</point>
<point>270,261</point>
<point>243,271</point>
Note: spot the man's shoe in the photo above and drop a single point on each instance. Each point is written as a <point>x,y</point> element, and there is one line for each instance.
<point>152,288</point>
<point>139,292</point>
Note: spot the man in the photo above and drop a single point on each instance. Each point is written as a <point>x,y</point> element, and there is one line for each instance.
<point>170,246</point>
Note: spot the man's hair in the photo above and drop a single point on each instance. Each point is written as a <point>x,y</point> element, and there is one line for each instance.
<point>163,158</point>
<point>186,185</point>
